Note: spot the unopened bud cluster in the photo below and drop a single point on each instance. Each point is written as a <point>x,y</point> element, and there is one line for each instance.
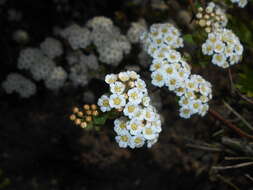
<point>211,17</point>
<point>139,122</point>
<point>82,117</point>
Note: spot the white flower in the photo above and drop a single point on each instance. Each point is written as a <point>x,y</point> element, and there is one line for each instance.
<point>156,64</point>
<point>117,87</point>
<point>135,95</point>
<point>158,78</point>
<point>117,101</point>
<point>123,140</point>
<point>195,106</point>
<point>225,47</point>
<point>140,85</point>
<point>137,141</point>
<point>111,78</point>
<point>172,83</point>
<point>131,109</point>
<point>204,109</point>
<point>219,47</point>
<point>149,133</point>
<point>170,69</point>
<point>184,102</point>
<point>134,126</point>
<point>207,48</point>
<point>103,103</point>
<point>124,76</point>
<point>146,101</point>
<point>149,113</point>
<point>120,125</point>
<point>173,56</point>
<point>185,113</point>
<point>219,59</point>
<point>133,75</point>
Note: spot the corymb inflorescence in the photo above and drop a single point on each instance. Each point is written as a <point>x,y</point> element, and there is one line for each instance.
<point>170,69</point>
<point>139,122</point>
<point>224,47</point>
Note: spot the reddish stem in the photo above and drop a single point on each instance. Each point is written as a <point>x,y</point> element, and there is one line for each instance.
<point>217,116</point>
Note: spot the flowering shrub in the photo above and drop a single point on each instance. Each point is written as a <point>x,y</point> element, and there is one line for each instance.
<point>79,53</point>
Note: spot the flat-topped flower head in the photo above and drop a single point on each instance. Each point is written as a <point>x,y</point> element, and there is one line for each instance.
<point>224,47</point>
<point>160,37</point>
<point>198,93</point>
<point>129,97</point>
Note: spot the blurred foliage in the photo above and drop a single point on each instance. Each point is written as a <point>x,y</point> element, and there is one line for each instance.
<point>4,181</point>
<point>245,81</point>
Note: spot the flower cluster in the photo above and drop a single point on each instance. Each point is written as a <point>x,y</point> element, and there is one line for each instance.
<point>160,38</point>
<point>20,84</point>
<point>197,93</point>
<point>41,64</point>
<point>82,117</point>
<point>100,31</point>
<point>211,17</point>
<point>82,68</point>
<point>135,31</point>
<point>51,48</point>
<point>110,43</point>
<point>224,46</point>
<point>241,3</point>
<point>78,37</point>
<point>170,69</point>
<point>140,121</point>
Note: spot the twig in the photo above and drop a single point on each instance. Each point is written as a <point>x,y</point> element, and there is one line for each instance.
<point>228,182</point>
<point>249,177</point>
<point>231,81</point>
<point>203,148</point>
<point>229,124</point>
<point>238,115</point>
<point>238,158</point>
<point>232,166</point>
<point>245,98</point>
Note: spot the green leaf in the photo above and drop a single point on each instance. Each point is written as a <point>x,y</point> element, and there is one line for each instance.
<point>100,120</point>
<point>188,38</point>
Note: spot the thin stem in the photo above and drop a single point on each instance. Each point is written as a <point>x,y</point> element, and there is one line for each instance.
<point>238,158</point>
<point>228,182</point>
<point>204,148</point>
<point>245,164</point>
<point>238,115</point>
<point>217,116</point>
